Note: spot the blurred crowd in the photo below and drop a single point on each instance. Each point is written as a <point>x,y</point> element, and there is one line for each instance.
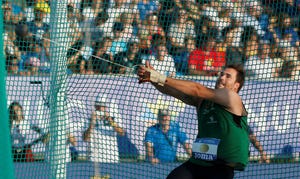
<point>178,37</point>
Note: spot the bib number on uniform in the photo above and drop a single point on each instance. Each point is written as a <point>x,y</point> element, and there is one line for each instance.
<point>206,148</point>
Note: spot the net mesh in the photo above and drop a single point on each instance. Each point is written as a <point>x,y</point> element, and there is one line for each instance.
<point>106,114</point>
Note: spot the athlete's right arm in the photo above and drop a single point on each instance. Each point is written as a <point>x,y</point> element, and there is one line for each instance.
<point>188,99</point>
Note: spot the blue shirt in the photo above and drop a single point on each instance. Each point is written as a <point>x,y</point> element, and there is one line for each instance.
<point>165,145</point>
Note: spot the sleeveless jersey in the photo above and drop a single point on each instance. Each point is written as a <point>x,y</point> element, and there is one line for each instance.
<point>215,122</point>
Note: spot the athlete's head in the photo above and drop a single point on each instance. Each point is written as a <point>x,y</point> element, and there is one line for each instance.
<point>232,77</point>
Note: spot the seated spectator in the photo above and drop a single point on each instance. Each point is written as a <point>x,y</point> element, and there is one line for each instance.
<point>146,7</point>
<point>101,60</point>
<point>285,31</point>
<point>12,55</point>
<point>36,59</point>
<point>161,139</point>
<point>128,60</point>
<point>23,134</point>
<point>149,28</point>
<point>167,12</point>
<point>74,31</point>
<point>12,65</point>
<point>32,5</point>
<point>181,63</point>
<point>228,45</point>
<point>250,15</point>
<point>206,61</point>
<point>129,20</point>
<point>119,44</point>
<point>160,59</point>
<point>260,65</point>
<point>99,27</point>
<point>37,27</point>
<point>178,32</point>
<point>10,19</point>
<point>85,65</point>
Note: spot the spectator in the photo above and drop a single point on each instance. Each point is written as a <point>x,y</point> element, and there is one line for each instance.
<point>261,65</point>
<point>146,7</point>
<point>9,19</point>
<point>217,14</point>
<point>287,56</point>
<point>178,32</point>
<point>74,32</point>
<point>37,27</point>
<point>206,61</point>
<point>95,29</point>
<point>204,28</point>
<point>115,10</point>
<point>149,28</point>
<point>37,58</point>
<point>130,29</point>
<point>101,134</point>
<point>100,27</point>
<point>101,59</point>
<point>30,7</point>
<point>181,63</point>
<point>12,55</point>
<point>119,44</point>
<point>233,51</point>
<point>90,9</point>
<point>162,139</point>
<point>12,66</point>
<point>250,18</point>
<point>23,134</point>
<point>285,31</point>
<point>168,12</point>
<point>160,59</point>
<point>128,60</point>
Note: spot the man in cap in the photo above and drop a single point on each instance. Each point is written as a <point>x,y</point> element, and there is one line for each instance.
<point>37,26</point>
<point>101,134</point>
<point>162,139</point>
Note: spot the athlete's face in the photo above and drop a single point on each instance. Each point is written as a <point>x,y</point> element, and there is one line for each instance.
<point>227,79</point>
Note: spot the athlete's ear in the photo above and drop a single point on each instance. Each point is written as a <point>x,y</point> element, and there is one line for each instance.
<point>236,86</point>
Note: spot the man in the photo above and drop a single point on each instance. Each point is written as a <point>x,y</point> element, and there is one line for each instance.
<point>222,142</point>
<point>101,133</point>
<point>162,138</point>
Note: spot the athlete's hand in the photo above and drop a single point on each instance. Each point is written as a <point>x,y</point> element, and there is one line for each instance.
<point>148,74</point>
<point>144,73</point>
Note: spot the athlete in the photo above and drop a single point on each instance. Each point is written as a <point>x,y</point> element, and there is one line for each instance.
<point>222,143</point>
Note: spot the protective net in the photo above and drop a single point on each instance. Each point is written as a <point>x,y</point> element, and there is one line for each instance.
<point>76,109</point>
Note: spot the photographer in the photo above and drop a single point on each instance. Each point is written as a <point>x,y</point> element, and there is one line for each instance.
<point>101,134</point>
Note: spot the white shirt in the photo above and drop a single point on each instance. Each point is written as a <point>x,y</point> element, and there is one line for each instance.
<point>262,70</point>
<point>166,66</point>
<point>103,146</point>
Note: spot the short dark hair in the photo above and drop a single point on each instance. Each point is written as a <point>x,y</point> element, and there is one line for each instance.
<point>241,74</point>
